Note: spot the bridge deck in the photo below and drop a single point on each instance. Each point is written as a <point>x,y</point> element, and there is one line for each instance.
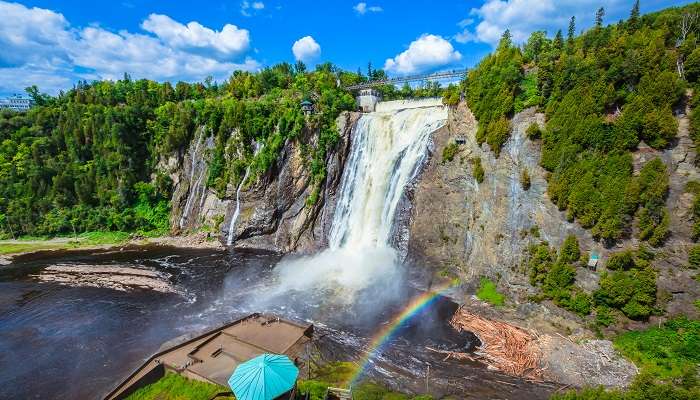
<point>409,78</point>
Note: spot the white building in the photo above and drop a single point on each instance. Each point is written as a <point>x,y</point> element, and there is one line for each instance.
<point>367,99</point>
<point>16,102</point>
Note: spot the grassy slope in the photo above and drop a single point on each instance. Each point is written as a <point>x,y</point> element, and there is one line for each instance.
<point>176,387</point>
<point>87,239</point>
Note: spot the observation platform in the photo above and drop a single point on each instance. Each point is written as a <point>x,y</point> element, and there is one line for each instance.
<point>214,355</point>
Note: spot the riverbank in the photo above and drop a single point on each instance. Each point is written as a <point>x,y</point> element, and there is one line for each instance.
<point>101,241</point>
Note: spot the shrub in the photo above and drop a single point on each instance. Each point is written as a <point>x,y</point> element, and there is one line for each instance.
<point>451,95</point>
<point>631,290</point>
<point>488,292</point>
<point>621,261</point>
<point>668,351</point>
<point>570,251</point>
<point>694,256</point>
<point>497,133</point>
<point>477,169</point>
<point>578,302</point>
<point>449,152</point>
<point>533,131</point>
<point>539,262</point>
<point>604,316</point>
<point>525,179</point>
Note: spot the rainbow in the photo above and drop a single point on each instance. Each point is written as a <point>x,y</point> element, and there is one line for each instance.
<point>382,337</point>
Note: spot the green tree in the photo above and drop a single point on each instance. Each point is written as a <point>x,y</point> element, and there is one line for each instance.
<point>599,14</point>
<point>571,34</point>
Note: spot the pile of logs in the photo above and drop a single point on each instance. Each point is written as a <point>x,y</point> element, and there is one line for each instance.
<point>508,348</point>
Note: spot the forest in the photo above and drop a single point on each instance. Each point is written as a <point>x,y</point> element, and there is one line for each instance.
<point>87,159</point>
<point>606,93</point>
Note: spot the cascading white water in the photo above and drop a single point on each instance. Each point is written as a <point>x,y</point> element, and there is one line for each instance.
<point>237,210</point>
<point>194,185</point>
<point>387,150</point>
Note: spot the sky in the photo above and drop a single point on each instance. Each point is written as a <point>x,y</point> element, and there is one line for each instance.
<point>54,44</point>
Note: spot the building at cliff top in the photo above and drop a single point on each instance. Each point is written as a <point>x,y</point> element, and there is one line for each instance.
<point>367,99</point>
<point>16,102</point>
<point>213,356</point>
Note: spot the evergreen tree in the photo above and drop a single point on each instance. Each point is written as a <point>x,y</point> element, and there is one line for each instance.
<point>599,17</point>
<point>506,40</point>
<point>559,40</point>
<point>571,33</point>
<point>634,15</point>
<point>369,70</point>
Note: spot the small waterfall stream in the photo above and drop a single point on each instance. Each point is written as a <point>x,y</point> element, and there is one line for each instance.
<point>196,185</point>
<point>237,210</point>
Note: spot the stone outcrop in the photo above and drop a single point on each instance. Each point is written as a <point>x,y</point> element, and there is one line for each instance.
<point>469,229</point>
<point>275,212</point>
<point>193,204</point>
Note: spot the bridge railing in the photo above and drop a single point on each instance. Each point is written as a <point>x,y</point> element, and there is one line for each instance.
<point>409,78</point>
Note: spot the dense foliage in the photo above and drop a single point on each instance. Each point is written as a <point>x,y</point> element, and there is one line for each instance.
<point>629,285</point>
<point>491,89</point>
<point>556,275</point>
<point>87,159</point>
<point>604,93</point>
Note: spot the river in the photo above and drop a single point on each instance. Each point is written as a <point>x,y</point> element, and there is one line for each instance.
<point>66,342</point>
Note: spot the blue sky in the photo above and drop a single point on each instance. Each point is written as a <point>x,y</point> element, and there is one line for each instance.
<point>55,43</point>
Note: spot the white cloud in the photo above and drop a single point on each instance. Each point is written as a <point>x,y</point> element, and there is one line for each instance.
<point>523,17</point>
<point>230,41</point>
<point>465,22</point>
<point>40,47</point>
<point>248,8</point>
<point>362,8</point>
<point>424,53</point>
<point>306,49</point>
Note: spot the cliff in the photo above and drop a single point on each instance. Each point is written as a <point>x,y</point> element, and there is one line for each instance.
<point>274,214</point>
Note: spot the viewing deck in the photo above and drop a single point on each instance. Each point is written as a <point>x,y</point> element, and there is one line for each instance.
<point>213,356</point>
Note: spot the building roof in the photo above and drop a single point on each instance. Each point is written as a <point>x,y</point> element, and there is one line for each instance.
<point>306,103</point>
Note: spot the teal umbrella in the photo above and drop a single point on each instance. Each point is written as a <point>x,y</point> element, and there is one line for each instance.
<point>264,377</point>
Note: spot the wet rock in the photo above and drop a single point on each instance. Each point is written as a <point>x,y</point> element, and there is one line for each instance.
<point>109,277</point>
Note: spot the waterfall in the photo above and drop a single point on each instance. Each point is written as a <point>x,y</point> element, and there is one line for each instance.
<point>387,151</point>
<point>237,210</point>
<point>196,163</point>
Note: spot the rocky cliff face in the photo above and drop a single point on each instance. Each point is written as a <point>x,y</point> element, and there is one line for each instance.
<point>274,210</point>
<point>274,214</point>
<point>447,223</point>
<point>471,229</point>
<point>193,204</point>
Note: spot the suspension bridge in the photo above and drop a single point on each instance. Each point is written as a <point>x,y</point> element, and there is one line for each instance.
<point>457,73</point>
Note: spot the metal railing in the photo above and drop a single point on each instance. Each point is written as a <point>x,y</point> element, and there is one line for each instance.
<point>409,78</point>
